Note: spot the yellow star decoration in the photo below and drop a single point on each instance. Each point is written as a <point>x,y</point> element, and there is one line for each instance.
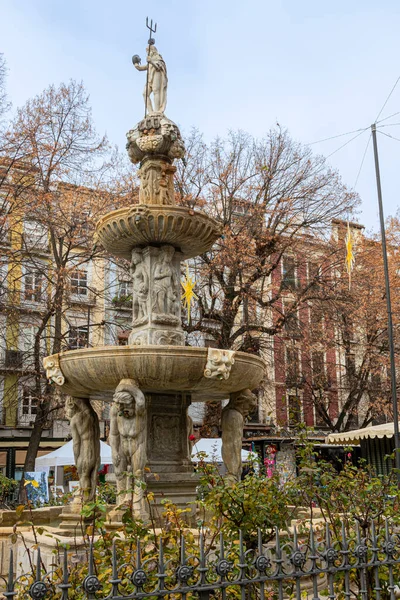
<point>188,284</point>
<point>349,252</point>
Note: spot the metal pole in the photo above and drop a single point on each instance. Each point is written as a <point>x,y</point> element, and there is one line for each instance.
<point>389,308</point>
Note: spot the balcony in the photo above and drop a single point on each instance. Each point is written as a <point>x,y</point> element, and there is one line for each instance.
<point>122,302</point>
<point>14,359</point>
<point>34,242</point>
<point>88,299</point>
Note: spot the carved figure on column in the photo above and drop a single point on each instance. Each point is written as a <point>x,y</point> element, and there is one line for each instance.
<point>140,286</point>
<point>85,431</point>
<point>157,81</point>
<point>240,405</point>
<point>165,299</point>
<point>128,439</point>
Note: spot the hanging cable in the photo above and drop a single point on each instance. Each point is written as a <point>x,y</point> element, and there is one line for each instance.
<point>362,161</point>
<point>389,117</point>
<point>387,99</point>
<point>333,137</point>
<point>348,142</point>
<point>389,136</point>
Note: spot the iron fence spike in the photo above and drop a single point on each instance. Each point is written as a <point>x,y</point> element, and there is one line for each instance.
<point>90,570</point>
<point>138,553</point>
<point>38,569</point>
<point>65,566</point>
<point>221,545</point>
<point>114,560</point>
<point>259,541</point>
<point>183,560</point>
<point>161,556</point>
<point>10,583</point>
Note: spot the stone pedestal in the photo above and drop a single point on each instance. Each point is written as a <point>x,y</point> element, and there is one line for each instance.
<point>169,449</point>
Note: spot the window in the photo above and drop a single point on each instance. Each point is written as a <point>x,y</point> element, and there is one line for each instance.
<point>289,273</point>
<point>78,337</point>
<point>294,408</point>
<point>292,325</point>
<point>316,318</point>
<point>292,367</point>
<point>79,282</point>
<point>28,407</point>
<point>314,274</point>
<point>350,367</point>
<point>29,403</point>
<point>318,369</point>
<point>28,334</point>
<point>33,286</point>
<point>124,289</point>
<point>14,359</point>
<point>321,405</point>
<point>35,234</point>
<point>239,208</point>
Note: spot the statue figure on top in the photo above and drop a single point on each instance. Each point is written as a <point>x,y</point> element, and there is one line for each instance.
<point>157,79</point>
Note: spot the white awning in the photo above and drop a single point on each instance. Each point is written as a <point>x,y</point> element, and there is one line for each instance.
<point>64,456</point>
<point>354,437</point>
<point>212,447</point>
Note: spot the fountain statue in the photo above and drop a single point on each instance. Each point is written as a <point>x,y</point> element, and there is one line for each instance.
<point>152,381</point>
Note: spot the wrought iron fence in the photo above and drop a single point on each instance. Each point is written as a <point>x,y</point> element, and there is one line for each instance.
<point>315,563</point>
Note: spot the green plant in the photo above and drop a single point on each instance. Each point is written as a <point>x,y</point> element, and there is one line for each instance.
<point>8,488</point>
<point>107,493</point>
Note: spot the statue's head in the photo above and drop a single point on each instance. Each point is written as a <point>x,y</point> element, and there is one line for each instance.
<point>70,407</point>
<point>244,401</point>
<point>126,404</point>
<point>167,252</point>
<point>153,52</point>
<point>124,398</point>
<point>136,258</point>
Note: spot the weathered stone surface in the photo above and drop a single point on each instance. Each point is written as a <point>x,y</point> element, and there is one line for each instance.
<point>219,363</point>
<point>189,232</point>
<point>155,368</point>
<point>240,405</point>
<point>85,430</point>
<point>128,440</point>
<point>155,135</point>
<point>155,90</point>
<point>156,307</point>
<point>53,371</point>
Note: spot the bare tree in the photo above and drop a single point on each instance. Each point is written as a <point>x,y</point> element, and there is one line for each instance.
<point>63,184</point>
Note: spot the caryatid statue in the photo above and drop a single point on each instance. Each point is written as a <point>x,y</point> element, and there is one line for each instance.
<point>240,405</point>
<point>85,431</point>
<point>128,439</point>
<point>157,80</point>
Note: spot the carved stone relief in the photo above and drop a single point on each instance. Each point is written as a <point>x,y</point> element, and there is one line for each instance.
<point>165,283</point>
<point>157,185</point>
<point>140,288</point>
<point>53,371</point>
<point>219,363</point>
<point>168,338</point>
<point>165,437</point>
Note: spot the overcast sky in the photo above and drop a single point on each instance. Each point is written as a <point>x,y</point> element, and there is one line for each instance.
<point>318,67</point>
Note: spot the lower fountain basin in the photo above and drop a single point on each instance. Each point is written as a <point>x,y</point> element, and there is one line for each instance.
<point>156,369</point>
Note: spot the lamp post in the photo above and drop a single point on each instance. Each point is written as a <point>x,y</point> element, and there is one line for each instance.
<point>389,309</point>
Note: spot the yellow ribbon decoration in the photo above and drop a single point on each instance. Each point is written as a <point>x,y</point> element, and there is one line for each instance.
<point>188,295</point>
<point>350,260</point>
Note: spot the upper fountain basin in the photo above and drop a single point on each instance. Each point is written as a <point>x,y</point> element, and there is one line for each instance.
<point>140,225</point>
<point>206,373</point>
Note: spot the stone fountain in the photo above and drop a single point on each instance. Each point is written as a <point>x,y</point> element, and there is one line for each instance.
<point>153,380</point>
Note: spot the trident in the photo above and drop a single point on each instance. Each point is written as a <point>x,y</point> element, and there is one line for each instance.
<point>151,43</point>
